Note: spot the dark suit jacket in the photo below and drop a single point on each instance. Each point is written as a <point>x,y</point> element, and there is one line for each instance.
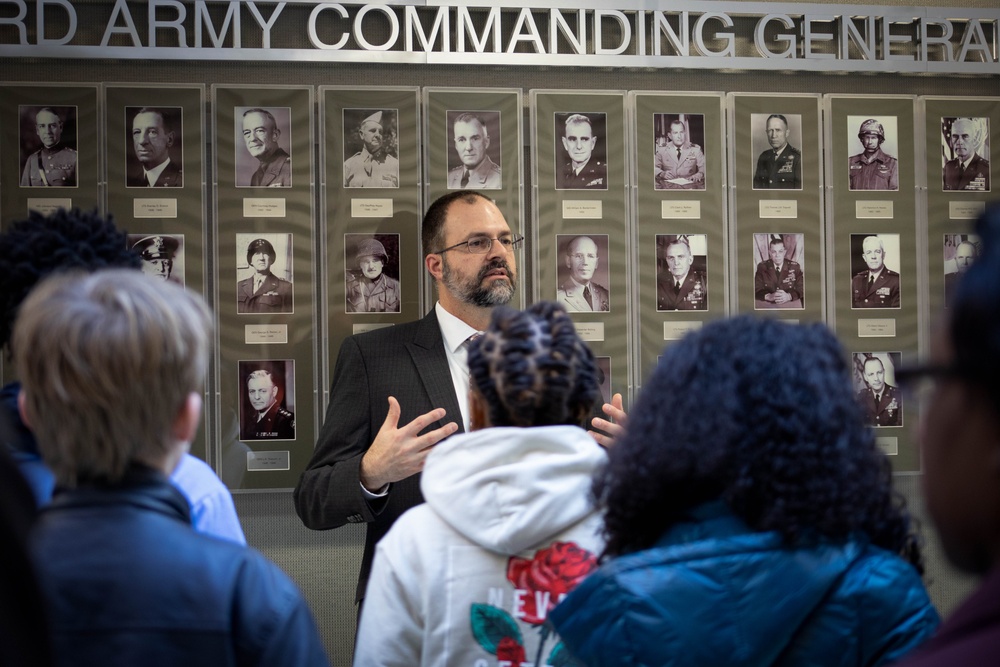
<point>766,280</point>
<point>275,173</point>
<point>782,172</point>
<point>170,177</point>
<point>407,361</point>
<point>693,294</point>
<point>884,293</point>
<point>888,411</point>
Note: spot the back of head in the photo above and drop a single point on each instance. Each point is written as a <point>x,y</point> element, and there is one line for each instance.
<point>974,313</point>
<point>107,361</point>
<point>32,249</point>
<point>762,416</point>
<point>532,369</point>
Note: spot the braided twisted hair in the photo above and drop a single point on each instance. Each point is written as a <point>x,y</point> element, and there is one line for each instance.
<point>532,369</point>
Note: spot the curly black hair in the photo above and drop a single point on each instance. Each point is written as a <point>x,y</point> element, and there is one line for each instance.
<point>532,368</point>
<point>761,415</point>
<point>32,249</point>
<point>974,315</point>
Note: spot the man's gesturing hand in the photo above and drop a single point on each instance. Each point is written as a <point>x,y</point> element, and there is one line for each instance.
<point>398,452</point>
<point>612,431</point>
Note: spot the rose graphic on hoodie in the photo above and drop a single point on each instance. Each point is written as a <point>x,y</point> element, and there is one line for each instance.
<point>540,583</point>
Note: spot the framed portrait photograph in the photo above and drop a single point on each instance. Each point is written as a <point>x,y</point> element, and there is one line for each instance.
<point>48,146</point>
<point>371,275</point>
<point>776,141</point>
<point>581,151</point>
<point>679,153</point>
<point>162,255</point>
<point>681,272</point>
<point>875,280</point>
<point>154,147</point>
<point>264,274</point>
<point>371,148</point>
<point>960,252</point>
<point>873,146</point>
<point>779,277</point>
<point>965,154</point>
<point>875,382</point>
<point>583,273</point>
<point>263,147</point>
<point>474,163</point>
<point>267,399</point>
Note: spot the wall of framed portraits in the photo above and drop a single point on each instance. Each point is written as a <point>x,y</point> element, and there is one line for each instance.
<point>703,193</point>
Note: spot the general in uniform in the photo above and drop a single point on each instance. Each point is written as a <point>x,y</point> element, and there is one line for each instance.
<point>593,176</point>
<point>875,172</point>
<point>485,176</point>
<point>883,292</point>
<point>275,424</point>
<point>364,170</point>
<point>768,280</point>
<point>275,172</point>
<point>50,167</point>
<point>674,162</point>
<point>379,296</point>
<point>779,171</point>
<point>573,295</point>
<point>974,176</point>
<point>886,410</point>
<point>692,294</point>
<point>273,296</point>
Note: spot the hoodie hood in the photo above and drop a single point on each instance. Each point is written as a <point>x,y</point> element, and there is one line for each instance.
<point>510,489</point>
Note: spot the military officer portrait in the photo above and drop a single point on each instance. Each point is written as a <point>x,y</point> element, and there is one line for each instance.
<point>581,154</point>
<point>874,167</point>
<point>267,411</point>
<point>774,140</point>
<point>681,272</point>
<point>476,139</point>
<point>582,273</point>
<point>779,279</point>
<point>162,255</point>
<point>48,147</point>
<point>371,148</point>
<point>960,253</point>
<point>679,158</point>
<point>372,275</point>
<point>154,157</point>
<point>965,154</point>
<point>880,400</point>
<point>266,160</point>
<point>875,269</point>
<point>267,285</point>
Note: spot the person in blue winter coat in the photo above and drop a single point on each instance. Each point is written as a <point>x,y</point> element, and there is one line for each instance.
<point>749,517</point>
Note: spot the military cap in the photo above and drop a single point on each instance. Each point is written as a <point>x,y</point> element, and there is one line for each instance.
<point>156,247</point>
<point>258,245</point>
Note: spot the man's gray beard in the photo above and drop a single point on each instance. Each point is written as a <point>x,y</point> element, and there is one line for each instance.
<point>499,293</point>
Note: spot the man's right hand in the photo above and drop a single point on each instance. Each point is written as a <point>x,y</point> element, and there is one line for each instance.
<point>399,452</point>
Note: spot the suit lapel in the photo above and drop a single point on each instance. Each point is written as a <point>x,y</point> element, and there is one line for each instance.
<point>431,361</point>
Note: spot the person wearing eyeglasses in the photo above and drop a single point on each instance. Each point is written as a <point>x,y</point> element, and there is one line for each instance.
<point>579,293</point>
<point>959,439</point>
<point>398,391</point>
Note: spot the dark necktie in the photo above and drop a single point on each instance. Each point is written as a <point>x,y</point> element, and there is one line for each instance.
<point>465,179</point>
<point>678,152</point>
<point>871,280</point>
<point>586,297</point>
<point>677,287</point>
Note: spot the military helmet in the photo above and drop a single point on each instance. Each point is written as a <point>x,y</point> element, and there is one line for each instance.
<point>261,245</point>
<point>872,126</point>
<point>371,247</point>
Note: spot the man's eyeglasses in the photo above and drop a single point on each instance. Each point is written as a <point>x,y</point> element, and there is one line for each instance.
<point>480,245</point>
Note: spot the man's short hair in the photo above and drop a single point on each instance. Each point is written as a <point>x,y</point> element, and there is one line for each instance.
<point>775,240</point>
<point>468,118</point>
<point>261,111</point>
<point>578,118</point>
<point>51,111</point>
<point>107,361</point>
<point>779,117</point>
<point>875,359</point>
<point>261,373</point>
<point>431,232</point>
<point>164,118</point>
<point>677,121</point>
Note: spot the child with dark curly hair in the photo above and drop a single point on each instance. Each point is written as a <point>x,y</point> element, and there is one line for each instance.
<point>750,518</point>
<point>508,528</point>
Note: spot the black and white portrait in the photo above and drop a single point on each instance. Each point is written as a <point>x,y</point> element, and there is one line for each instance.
<point>371,148</point>
<point>162,255</point>
<point>679,152</point>
<point>681,272</point>
<point>877,392</point>
<point>154,147</point>
<point>779,273</point>
<point>583,273</point>
<point>960,252</point>
<point>873,147</point>
<point>965,154</point>
<point>371,279</point>
<point>263,147</point>
<point>267,399</point>
<point>581,151</point>
<point>264,273</point>
<point>474,163</point>
<point>48,142</point>
<point>875,280</point>
<point>776,140</point>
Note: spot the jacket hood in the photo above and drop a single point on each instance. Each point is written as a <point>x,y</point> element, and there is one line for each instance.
<point>510,489</point>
